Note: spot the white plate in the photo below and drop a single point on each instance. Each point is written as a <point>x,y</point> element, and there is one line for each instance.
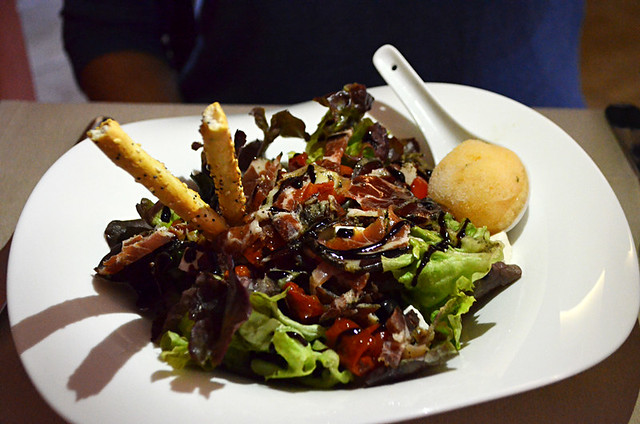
<point>87,351</point>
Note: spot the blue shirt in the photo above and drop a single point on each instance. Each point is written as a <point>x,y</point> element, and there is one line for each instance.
<point>283,51</point>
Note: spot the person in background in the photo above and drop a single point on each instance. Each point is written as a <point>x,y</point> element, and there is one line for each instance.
<point>282,51</point>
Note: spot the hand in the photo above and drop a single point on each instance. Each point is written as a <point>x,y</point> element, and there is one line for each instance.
<point>129,76</point>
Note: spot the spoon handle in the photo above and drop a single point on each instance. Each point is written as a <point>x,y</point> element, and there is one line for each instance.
<point>441,131</point>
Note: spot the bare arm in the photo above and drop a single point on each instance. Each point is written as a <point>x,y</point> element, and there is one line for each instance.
<point>129,76</point>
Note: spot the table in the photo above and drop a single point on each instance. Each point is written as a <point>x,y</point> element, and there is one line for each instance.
<point>34,135</point>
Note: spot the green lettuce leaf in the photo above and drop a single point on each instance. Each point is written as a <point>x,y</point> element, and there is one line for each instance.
<point>346,109</point>
<point>175,350</point>
<point>302,360</point>
<point>439,281</point>
<point>275,346</point>
<point>355,145</point>
<point>447,321</point>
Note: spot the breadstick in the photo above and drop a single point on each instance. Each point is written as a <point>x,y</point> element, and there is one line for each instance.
<point>153,174</point>
<point>223,165</point>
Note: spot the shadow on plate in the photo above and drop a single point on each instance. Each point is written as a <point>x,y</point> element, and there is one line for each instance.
<point>106,358</point>
<point>516,231</point>
<point>473,329</point>
<point>197,381</point>
<point>109,300</point>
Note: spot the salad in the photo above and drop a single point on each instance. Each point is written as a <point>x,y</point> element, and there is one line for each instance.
<point>341,270</point>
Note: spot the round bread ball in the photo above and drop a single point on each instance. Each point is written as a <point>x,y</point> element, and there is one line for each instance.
<point>483,182</point>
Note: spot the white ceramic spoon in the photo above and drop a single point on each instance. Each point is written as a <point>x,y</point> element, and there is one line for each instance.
<point>442,132</point>
<point>440,129</point>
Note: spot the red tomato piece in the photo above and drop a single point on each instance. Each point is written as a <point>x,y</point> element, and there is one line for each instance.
<point>322,190</point>
<point>339,326</point>
<point>420,187</point>
<point>346,171</point>
<point>242,271</point>
<point>305,308</point>
<point>358,348</point>
<point>253,254</point>
<point>298,161</point>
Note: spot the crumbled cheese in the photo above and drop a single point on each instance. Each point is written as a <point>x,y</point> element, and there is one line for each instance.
<point>421,322</point>
<point>410,172</point>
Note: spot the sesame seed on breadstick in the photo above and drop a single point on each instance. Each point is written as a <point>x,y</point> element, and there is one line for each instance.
<point>219,151</point>
<point>153,174</point>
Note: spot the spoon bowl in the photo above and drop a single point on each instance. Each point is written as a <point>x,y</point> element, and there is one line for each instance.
<point>444,133</point>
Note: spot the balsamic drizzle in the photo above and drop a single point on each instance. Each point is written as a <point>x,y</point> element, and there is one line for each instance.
<point>442,245</point>
<point>296,182</point>
<point>364,251</point>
